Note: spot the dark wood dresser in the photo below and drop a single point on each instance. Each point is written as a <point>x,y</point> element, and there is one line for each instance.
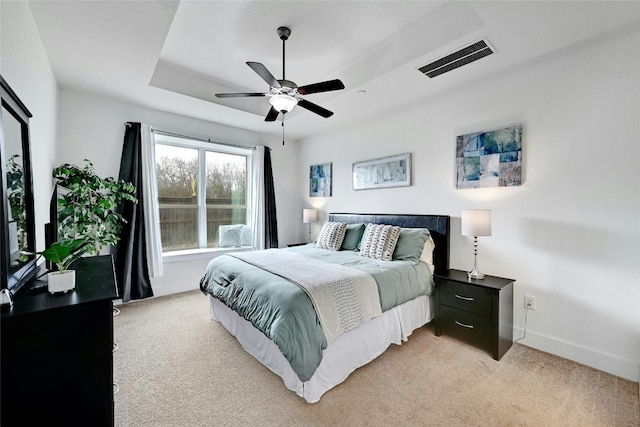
<point>57,352</point>
<point>479,312</point>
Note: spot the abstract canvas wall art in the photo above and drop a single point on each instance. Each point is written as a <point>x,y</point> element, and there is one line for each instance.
<point>489,158</point>
<point>320,180</point>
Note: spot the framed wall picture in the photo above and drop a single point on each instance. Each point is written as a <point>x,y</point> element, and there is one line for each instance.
<point>320,180</point>
<point>489,158</point>
<point>393,171</point>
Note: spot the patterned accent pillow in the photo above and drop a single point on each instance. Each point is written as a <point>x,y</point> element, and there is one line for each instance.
<point>230,235</point>
<point>331,235</point>
<point>246,237</point>
<point>379,241</point>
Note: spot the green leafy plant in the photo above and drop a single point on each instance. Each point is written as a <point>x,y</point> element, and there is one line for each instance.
<point>64,252</point>
<point>88,205</point>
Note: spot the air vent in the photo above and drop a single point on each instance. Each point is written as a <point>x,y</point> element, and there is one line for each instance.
<point>457,59</point>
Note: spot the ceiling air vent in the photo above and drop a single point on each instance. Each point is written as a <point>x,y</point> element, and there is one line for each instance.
<point>457,59</point>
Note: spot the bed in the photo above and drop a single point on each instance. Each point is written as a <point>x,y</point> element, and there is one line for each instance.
<point>270,302</point>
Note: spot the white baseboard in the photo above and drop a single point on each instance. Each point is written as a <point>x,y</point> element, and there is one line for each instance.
<point>623,368</point>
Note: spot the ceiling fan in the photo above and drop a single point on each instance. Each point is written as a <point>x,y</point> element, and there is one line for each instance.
<point>284,94</point>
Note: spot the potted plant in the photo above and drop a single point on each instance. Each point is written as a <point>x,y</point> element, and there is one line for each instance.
<point>88,205</point>
<point>63,253</point>
<point>87,219</point>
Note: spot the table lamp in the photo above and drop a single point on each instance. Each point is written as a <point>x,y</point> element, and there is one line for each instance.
<point>309,216</point>
<point>476,222</point>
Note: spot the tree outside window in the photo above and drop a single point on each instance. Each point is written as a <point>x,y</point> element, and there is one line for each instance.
<point>190,216</point>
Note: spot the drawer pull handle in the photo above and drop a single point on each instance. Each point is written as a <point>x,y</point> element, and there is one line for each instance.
<point>463,325</point>
<point>464,298</point>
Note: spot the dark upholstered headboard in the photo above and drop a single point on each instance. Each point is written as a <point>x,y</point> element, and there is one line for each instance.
<point>438,225</point>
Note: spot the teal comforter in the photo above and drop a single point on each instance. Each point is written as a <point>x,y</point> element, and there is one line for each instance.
<point>284,312</point>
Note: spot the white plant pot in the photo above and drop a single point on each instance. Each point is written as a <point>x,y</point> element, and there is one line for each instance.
<point>61,282</point>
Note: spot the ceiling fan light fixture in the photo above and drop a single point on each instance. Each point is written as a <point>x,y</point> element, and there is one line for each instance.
<point>284,94</point>
<point>283,103</point>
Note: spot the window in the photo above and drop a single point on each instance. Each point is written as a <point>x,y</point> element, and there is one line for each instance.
<point>201,186</point>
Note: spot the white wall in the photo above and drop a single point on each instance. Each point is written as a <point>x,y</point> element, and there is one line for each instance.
<point>92,127</point>
<point>25,66</point>
<point>570,234</point>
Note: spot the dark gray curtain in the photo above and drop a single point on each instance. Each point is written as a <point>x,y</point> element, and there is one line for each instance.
<point>270,221</point>
<point>132,272</point>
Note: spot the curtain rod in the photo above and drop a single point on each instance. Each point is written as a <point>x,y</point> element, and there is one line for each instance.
<point>167,133</point>
<point>164,132</point>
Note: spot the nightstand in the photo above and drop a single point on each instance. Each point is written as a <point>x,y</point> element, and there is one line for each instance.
<point>479,312</point>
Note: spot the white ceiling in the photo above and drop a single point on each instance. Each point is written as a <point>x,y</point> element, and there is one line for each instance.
<point>174,55</point>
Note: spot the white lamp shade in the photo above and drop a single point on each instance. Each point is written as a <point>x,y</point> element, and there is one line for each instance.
<point>476,222</point>
<point>309,216</point>
<point>283,102</point>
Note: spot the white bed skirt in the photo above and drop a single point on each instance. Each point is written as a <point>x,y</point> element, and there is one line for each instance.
<point>350,351</point>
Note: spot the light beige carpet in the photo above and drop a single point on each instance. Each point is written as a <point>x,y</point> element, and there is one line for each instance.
<point>176,367</point>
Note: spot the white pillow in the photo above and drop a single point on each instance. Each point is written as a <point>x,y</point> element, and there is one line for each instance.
<point>331,235</point>
<point>427,253</point>
<point>379,241</point>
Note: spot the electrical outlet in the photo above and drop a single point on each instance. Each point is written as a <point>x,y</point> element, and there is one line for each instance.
<point>529,302</point>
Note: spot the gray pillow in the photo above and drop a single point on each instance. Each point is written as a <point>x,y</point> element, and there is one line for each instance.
<point>410,244</point>
<point>352,237</point>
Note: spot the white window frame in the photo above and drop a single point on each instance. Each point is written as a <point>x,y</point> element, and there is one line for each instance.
<point>203,146</point>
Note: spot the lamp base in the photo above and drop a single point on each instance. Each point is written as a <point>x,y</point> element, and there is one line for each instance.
<point>475,275</point>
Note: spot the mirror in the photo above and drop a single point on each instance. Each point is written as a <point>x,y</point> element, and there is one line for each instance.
<point>18,225</point>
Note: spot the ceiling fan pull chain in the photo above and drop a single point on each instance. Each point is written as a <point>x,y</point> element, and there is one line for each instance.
<point>283,128</point>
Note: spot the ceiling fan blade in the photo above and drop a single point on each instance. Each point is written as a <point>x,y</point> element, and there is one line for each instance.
<point>321,87</point>
<point>238,95</point>
<point>264,73</point>
<point>315,108</point>
<point>272,115</point>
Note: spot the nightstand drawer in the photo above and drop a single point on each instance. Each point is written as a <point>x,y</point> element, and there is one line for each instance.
<point>469,327</point>
<point>474,299</point>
